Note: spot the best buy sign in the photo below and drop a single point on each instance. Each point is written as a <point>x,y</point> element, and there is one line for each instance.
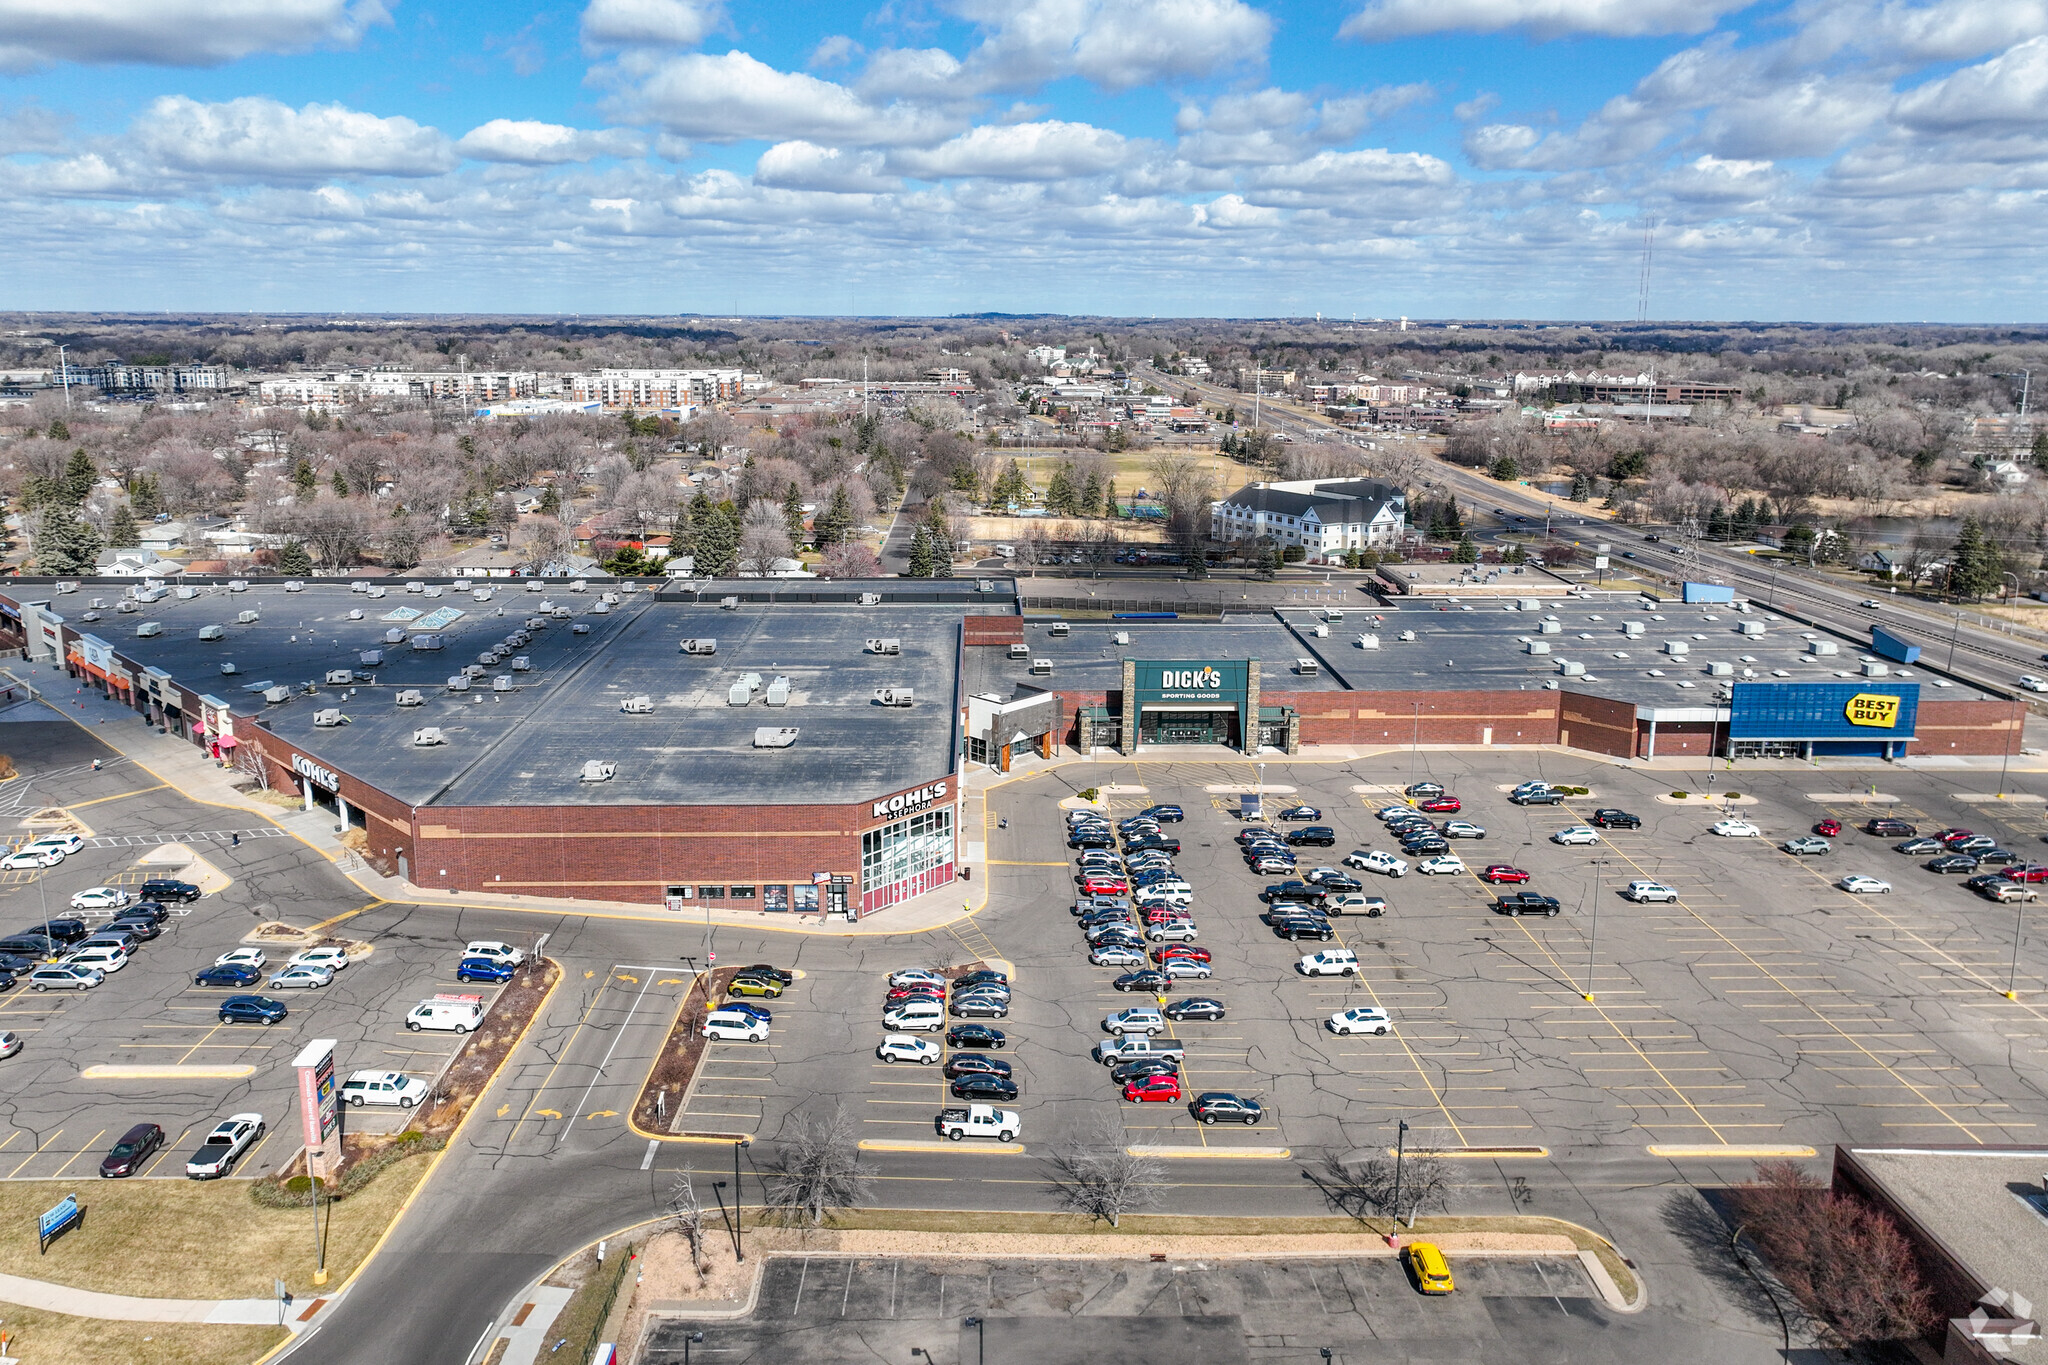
<point>1870,709</point>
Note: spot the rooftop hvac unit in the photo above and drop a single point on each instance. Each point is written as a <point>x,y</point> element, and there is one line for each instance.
<point>610,599</point>
<point>1307,668</point>
<point>1333,614</point>
<point>127,604</point>
<point>1020,651</point>
<point>427,736</point>
<point>774,736</point>
<point>1060,628</point>
<point>1750,627</point>
<point>355,613</point>
<point>211,632</point>
<point>535,585</point>
<point>480,594</point>
<point>895,696</point>
<point>340,675</point>
<point>433,590</point>
<point>579,629</point>
<point>778,692</point>
<point>427,642</point>
<point>99,604</point>
<point>412,697</point>
<point>1874,669</point>
<point>274,695</point>
<point>488,657</point>
<point>67,587</point>
<point>234,585</point>
<point>728,604</point>
<point>149,628</point>
<point>394,636</point>
<point>329,718</point>
<point>1821,647</point>
<point>370,658</point>
<point>597,609</point>
<point>1550,627</point>
<point>887,646</point>
<point>187,593</point>
<point>637,706</point>
<point>739,694</point>
<point>627,586</point>
<point>228,670</point>
<point>1677,649</point>
<point>1570,668</point>
<point>1406,635</point>
<point>359,586</point>
<point>579,585</point>
<point>1041,666</point>
<point>752,680</point>
<point>521,664</point>
<point>1716,670</point>
<point>1368,641</point>
<point>596,771</point>
<point>1320,631</point>
<point>374,592</point>
<point>156,592</point>
<point>536,623</point>
<point>700,646</point>
<point>561,613</point>
<point>987,585</point>
<point>472,670</point>
<point>248,618</point>
<point>1634,630</point>
<point>501,683</point>
<point>459,683</point>
<point>1122,637</point>
<point>1530,604</point>
<point>1539,647</point>
<point>415,585</point>
<point>871,599</point>
<point>90,616</point>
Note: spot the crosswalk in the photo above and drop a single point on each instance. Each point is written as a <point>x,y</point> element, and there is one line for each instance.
<point>206,836</point>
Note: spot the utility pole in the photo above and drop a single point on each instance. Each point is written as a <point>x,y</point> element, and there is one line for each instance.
<point>64,373</point>
<point>1593,939</point>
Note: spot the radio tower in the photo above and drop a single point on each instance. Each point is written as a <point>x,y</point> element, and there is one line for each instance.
<point>1643,281</point>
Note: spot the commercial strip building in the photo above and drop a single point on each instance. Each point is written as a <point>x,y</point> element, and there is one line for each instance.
<point>557,740</point>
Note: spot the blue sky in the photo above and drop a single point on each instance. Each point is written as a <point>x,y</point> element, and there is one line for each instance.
<point>1816,159</point>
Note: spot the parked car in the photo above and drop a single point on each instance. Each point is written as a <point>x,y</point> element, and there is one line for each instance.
<point>1426,1263</point>
<point>252,1009</point>
<point>62,843</point>
<point>1445,865</point>
<point>1220,1106</point>
<point>30,859</point>
<point>1301,813</point>
<point>1888,828</point>
<point>1116,955</point>
<point>1361,1019</point>
<point>974,1064</point>
<point>1807,845</point>
<point>1859,885</point>
<point>975,1035</point>
<point>332,959</point>
<point>1312,836</point>
<point>59,976</point>
<point>166,889</point>
<point>1611,818</point>
<point>1951,862</point>
<point>768,970</point>
<point>1829,828</point>
<point>1163,1088</point>
<point>1526,903</point>
<point>483,969</point>
<point>132,1152</point>
<point>224,1146</point>
<point>1918,847</point>
<point>100,898</point>
<point>1422,790</point>
<point>1164,814</point>
<point>228,974</point>
<point>1649,892</point>
<point>1441,805</point>
<point>1735,829</point>
<point>383,1087</point>
<point>1462,829</point>
<point>1425,845</point>
<point>1194,1007</point>
<point>301,978</point>
<point>755,986</point>
<point>917,976</point>
<point>983,1089</point>
<point>1576,834</point>
<point>1148,979</point>
<point>1503,872</point>
<point>1376,861</point>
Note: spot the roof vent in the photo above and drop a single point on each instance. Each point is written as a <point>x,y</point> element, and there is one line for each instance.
<point>521,664</point>
<point>728,604</point>
<point>1571,668</point>
<point>337,676</point>
<point>355,613</point>
<point>274,695</point>
<point>427,736</point>
<point>871,599</point>
<point>638,706</point>
<point>778,692</point>
<point>370,658</point>
<point>775,736</point>
<point>1368,642</point>
<point>895,696</point>
<point>412,696</point>
<point>1539,647</point>
<point>595,770</point>
<point>891,645</point>
<point>330,718</point>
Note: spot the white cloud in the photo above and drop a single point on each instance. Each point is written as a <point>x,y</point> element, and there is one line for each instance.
<point>1944,31</point>
<point>833,50</point>
<point>654,23</point>
<point>2010,90</point>
<point>1114,44</point>
<point>1018,151</point>
<point>807,166</point>
<point>1384,19</point>
<point>32,128</point>
<point>528,143</point>
<point>254,138</point>
<point>734,98</point>
<point>1268,126</point>
<point>35,33</point>
<point>1710,179</point>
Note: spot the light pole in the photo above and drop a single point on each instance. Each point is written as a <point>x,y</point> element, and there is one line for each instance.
<point>1593,939</point>
<point>980,1327</point>
<point>738,1227</point>
<point>694,1338</point>
<point>2012,981</point>
<point>1954,631</point>
<point>1400,1146</point>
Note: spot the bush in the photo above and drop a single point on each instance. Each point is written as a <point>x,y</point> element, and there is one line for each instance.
<point>1089,793</point>
<point>1732,796</point>
<point>1678,796</point>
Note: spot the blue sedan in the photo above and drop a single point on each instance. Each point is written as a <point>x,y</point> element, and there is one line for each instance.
<point>232,974</point>
<point>252,1009</point>
<point>483,969</point>
<point>1301,813</point>
<point>748,1007</point>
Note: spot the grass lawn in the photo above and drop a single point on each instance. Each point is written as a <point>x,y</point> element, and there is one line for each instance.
<point>206,1240</point>
<point>48,1338</point>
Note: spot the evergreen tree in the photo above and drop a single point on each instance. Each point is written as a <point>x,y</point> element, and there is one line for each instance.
<point>2040,448</point>
<point>830,526</point>
<point>551,501</point>
<point>1506,470</point>
<point>1467,551</point>
<point>1059,492</point>
<point>701,513</point>
<point>293,559</point>
<point>66,545</point>
<point>793,513</point>
<point>1011,487</point>
<point>122,532</point>
<point>1110,506</point>
<point>1453,523</point>
<point>340,484</point>
<point>718,541</point>
<point>1717,523</point>
<point>1581,488</point>
<point>679,531</point>
<point>920,553</point>
<point>145,496</point>
<point>79,477</point>
<point>1974,564</point>
<point>305,480</point>
<point>1091,496</point>
<point>59,431</point>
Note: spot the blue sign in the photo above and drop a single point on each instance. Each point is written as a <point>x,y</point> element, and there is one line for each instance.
<point>66,1214</point>
<point>1871,709</point>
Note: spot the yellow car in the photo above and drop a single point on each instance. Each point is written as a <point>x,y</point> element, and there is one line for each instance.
<point>754,985</point>
<point>1432,1272</point>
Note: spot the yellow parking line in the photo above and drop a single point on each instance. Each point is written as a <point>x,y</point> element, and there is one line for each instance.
<point>79,1153</point>
<point>123,796</point>
<point>36,1153</point>
<point>165,1150</point>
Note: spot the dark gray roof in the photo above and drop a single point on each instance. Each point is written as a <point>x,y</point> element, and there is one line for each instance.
<point>1342,501</point>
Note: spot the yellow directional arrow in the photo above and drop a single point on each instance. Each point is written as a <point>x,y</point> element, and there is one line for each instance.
<point>547,1113</point>
<point>588,975</point>
<point>602,1114</point>
<point>503,1110</point>
<point>670,981</point>
<point>629,980</point>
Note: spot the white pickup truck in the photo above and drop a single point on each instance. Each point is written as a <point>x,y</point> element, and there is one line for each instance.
<point>1111,1051</point>
<point>979,1120</point>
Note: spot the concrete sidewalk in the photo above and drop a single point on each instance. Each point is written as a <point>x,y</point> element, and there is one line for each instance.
<point>86,1303</point>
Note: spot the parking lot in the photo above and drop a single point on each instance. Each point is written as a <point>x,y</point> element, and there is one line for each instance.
<point>832,1309</point>
<point>147,1044</point>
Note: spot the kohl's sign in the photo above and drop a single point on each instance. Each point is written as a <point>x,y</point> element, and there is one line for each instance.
<point>326,777</point>
<point>917,799</point>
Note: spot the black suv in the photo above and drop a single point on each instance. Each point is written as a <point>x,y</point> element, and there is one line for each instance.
<point>63,930</point>
<point>36,946</point>
<point>1313,836</point>
<point>165,889</point>
<point>1890,829</point>
<point>153,911</point>
<point>1164,843</point>
<point>1526,903</point>
<point>1295,928</point>
<point>1615,819</point>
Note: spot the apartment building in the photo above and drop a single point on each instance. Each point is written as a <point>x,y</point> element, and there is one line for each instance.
<point>115,377</point>
<point>656,388</point>
<point>1324,517</point>
<point>354,386</point>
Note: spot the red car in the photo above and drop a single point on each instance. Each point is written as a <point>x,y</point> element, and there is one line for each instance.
<point>1828,829</point>
<point>1955,836</point>
<point>1094,885</point>
<point>2026,874</point>
<point>1503,872</point>
<point>1163,1088</point>
<point>901,993</point>
<point>1180,952</point>
<point>1441,805</point>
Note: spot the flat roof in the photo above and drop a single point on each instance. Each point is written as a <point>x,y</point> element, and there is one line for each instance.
<point>1088,658</point>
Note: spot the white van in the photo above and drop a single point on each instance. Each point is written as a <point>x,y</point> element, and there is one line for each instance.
<point>447,1014</point>
<point>915,1016</point>
<point>735,1026</point>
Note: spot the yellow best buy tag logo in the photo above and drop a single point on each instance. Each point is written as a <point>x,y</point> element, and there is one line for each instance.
<point>1867,709</point>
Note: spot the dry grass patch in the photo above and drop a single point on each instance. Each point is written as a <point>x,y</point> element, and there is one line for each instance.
<point>47,1338</point>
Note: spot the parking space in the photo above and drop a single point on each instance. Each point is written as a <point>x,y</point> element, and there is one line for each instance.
<point>1764,1010</point>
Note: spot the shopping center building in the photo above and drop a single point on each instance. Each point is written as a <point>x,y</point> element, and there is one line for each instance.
<point>800,746</point>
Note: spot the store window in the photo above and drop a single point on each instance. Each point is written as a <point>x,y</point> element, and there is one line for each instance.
<point>742,893</point>
<point>804,898</point>
<point>775,898</point>
<point>977,749</point>
<point>710,893</point>
<point>906,859</point>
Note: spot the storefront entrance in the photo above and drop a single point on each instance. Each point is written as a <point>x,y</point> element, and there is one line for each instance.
<point>1188,727</point>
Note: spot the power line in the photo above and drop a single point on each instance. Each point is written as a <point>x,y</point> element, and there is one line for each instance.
<point>1643,281</point>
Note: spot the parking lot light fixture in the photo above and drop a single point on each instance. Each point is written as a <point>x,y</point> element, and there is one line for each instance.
<point>692,1338</point>
<point>980,1327</point>
<point>2012,981</point>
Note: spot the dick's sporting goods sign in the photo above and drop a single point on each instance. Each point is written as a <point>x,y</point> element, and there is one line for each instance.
<point>916,799</point>
<point>1191,680</point>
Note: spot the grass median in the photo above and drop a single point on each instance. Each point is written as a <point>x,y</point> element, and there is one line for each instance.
<point>40,1338</point>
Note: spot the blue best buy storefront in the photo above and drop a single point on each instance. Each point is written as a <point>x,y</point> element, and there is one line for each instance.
<point>1874,718</point>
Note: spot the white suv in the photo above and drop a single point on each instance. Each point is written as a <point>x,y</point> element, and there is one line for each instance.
<point>1329,962</point>
<point>1139,1019</point>
<point>502,953</point>
<point>1645,892</point>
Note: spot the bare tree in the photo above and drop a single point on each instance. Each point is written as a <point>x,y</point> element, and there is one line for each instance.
<point>764,538</point>
<point>1187,486</point>
<point>818,1169</point>
<point>852,560</point>
<point>335,529</point>
<point>1098,1175</point>
<point>542,539</point>
<point>1365,1188</point>
<point>686,1217</point>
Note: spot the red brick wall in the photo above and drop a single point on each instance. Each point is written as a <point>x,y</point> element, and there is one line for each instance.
<point>1444,718</point>
<point>389,824</point>
<point>1678,738</point>
<point>1967,727</point>
<point>1599,724</point>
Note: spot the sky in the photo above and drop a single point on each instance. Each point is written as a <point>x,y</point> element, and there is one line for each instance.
<point>1820,160</point>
